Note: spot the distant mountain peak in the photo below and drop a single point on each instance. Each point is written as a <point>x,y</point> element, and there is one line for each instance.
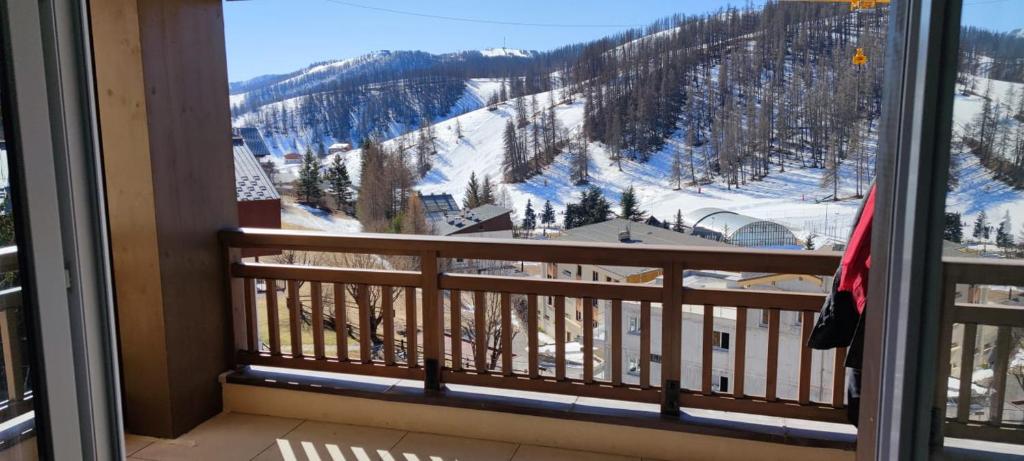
<point>1017,32</point>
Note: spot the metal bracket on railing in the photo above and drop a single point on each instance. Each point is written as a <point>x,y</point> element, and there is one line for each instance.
<point>670,401</point>
<point>432,375</point>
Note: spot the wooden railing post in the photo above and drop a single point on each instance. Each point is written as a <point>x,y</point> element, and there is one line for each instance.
<point>236,292</point>
<point>433,319</point>
<point>671,337</point>
<point>936,439</point>
<point>12,354</point>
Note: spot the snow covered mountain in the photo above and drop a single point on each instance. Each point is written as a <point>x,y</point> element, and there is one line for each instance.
<point>790,138</point>
<point>382,94</point>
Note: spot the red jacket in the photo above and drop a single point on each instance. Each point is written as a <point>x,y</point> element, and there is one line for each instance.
<point>857,258</point>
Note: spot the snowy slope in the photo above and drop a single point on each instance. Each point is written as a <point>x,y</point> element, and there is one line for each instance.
<point>787,197</point>
<point>475,96</point>
<point>978,190</point>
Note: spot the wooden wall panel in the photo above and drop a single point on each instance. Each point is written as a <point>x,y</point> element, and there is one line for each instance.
<point>165,126</point>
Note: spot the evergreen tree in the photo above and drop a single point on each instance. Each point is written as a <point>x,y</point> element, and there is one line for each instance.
<point>529,218</point>
<point>458,129</point>
<point>472,199</point>
<point>341,185</point>
<point>592,208</point>
<point>809,244</point>
<point>954,228</point>
<point>678,224</point>
<point>1004,233</point>
<point>487,192</point>
<point>982,229</point>
<point>308,187</point>
<point>630,207</point>
<point>547,216</point>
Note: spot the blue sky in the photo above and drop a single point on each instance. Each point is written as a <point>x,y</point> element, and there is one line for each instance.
<point>278,36</point>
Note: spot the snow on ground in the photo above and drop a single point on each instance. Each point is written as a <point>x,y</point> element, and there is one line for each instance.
<point>978,190</point>
<point>788,197</point>
<point>506,52</point>
<point>311,218</point>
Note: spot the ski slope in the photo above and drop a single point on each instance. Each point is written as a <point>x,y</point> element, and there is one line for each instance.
<point>786,197</point>
<point>789,197</point>
<point>977,189</point>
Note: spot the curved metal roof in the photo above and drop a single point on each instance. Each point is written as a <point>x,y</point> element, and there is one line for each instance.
<point>718,220</point>
<point>727,223</point>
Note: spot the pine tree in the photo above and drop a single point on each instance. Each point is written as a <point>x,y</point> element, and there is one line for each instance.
<point>547,216</point>
<point>458,129</point>
<point>678,224</point>
<point>341,185</point>
<point>953,230</point>
<point>1004,233</point>
<point>677,168</point>
<point>982,229</point>
<point>308,187</point>
<point>529,218</point>
<point>629,206</point>
<point>593,208</point>
<point>472,199</point>
<point>487,193</point>
<point>514,162</point>
<point>809,244</point>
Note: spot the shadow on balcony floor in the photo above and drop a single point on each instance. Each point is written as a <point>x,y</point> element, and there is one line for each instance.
<point>236,436</point>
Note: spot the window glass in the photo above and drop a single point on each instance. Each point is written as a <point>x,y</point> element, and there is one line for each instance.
<point>17,415</point>
<point>984,218</point>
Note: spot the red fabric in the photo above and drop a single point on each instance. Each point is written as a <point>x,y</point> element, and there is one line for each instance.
<point>857,258</point>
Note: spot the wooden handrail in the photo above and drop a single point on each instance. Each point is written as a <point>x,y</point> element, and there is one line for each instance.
<point>621,254</point>
<point>430,292</point>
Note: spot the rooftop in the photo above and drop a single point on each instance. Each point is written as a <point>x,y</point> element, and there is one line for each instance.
<point>453,223</point>
<point>254,140</point>
<point>639,233</point>
<point>251,182</point>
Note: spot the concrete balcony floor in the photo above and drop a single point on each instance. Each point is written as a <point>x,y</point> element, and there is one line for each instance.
<point>238,436</point>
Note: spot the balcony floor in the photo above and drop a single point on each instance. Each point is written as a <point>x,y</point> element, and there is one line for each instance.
<point>237,436</point>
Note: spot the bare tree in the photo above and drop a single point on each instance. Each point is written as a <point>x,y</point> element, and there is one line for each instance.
<point>492,331</point>
<point>374,294</point>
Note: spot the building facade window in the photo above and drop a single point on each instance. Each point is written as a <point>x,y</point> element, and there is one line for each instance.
<point>720,383</point>
<point>634,324</point>
<point>720,340</point>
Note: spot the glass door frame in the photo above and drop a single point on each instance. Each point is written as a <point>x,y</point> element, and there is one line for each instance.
<point>60,226</point>
<point>902,330</point>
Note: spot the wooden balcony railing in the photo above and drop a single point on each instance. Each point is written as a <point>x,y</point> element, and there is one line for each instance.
<point>960,307</point>
<point>430,292</point>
